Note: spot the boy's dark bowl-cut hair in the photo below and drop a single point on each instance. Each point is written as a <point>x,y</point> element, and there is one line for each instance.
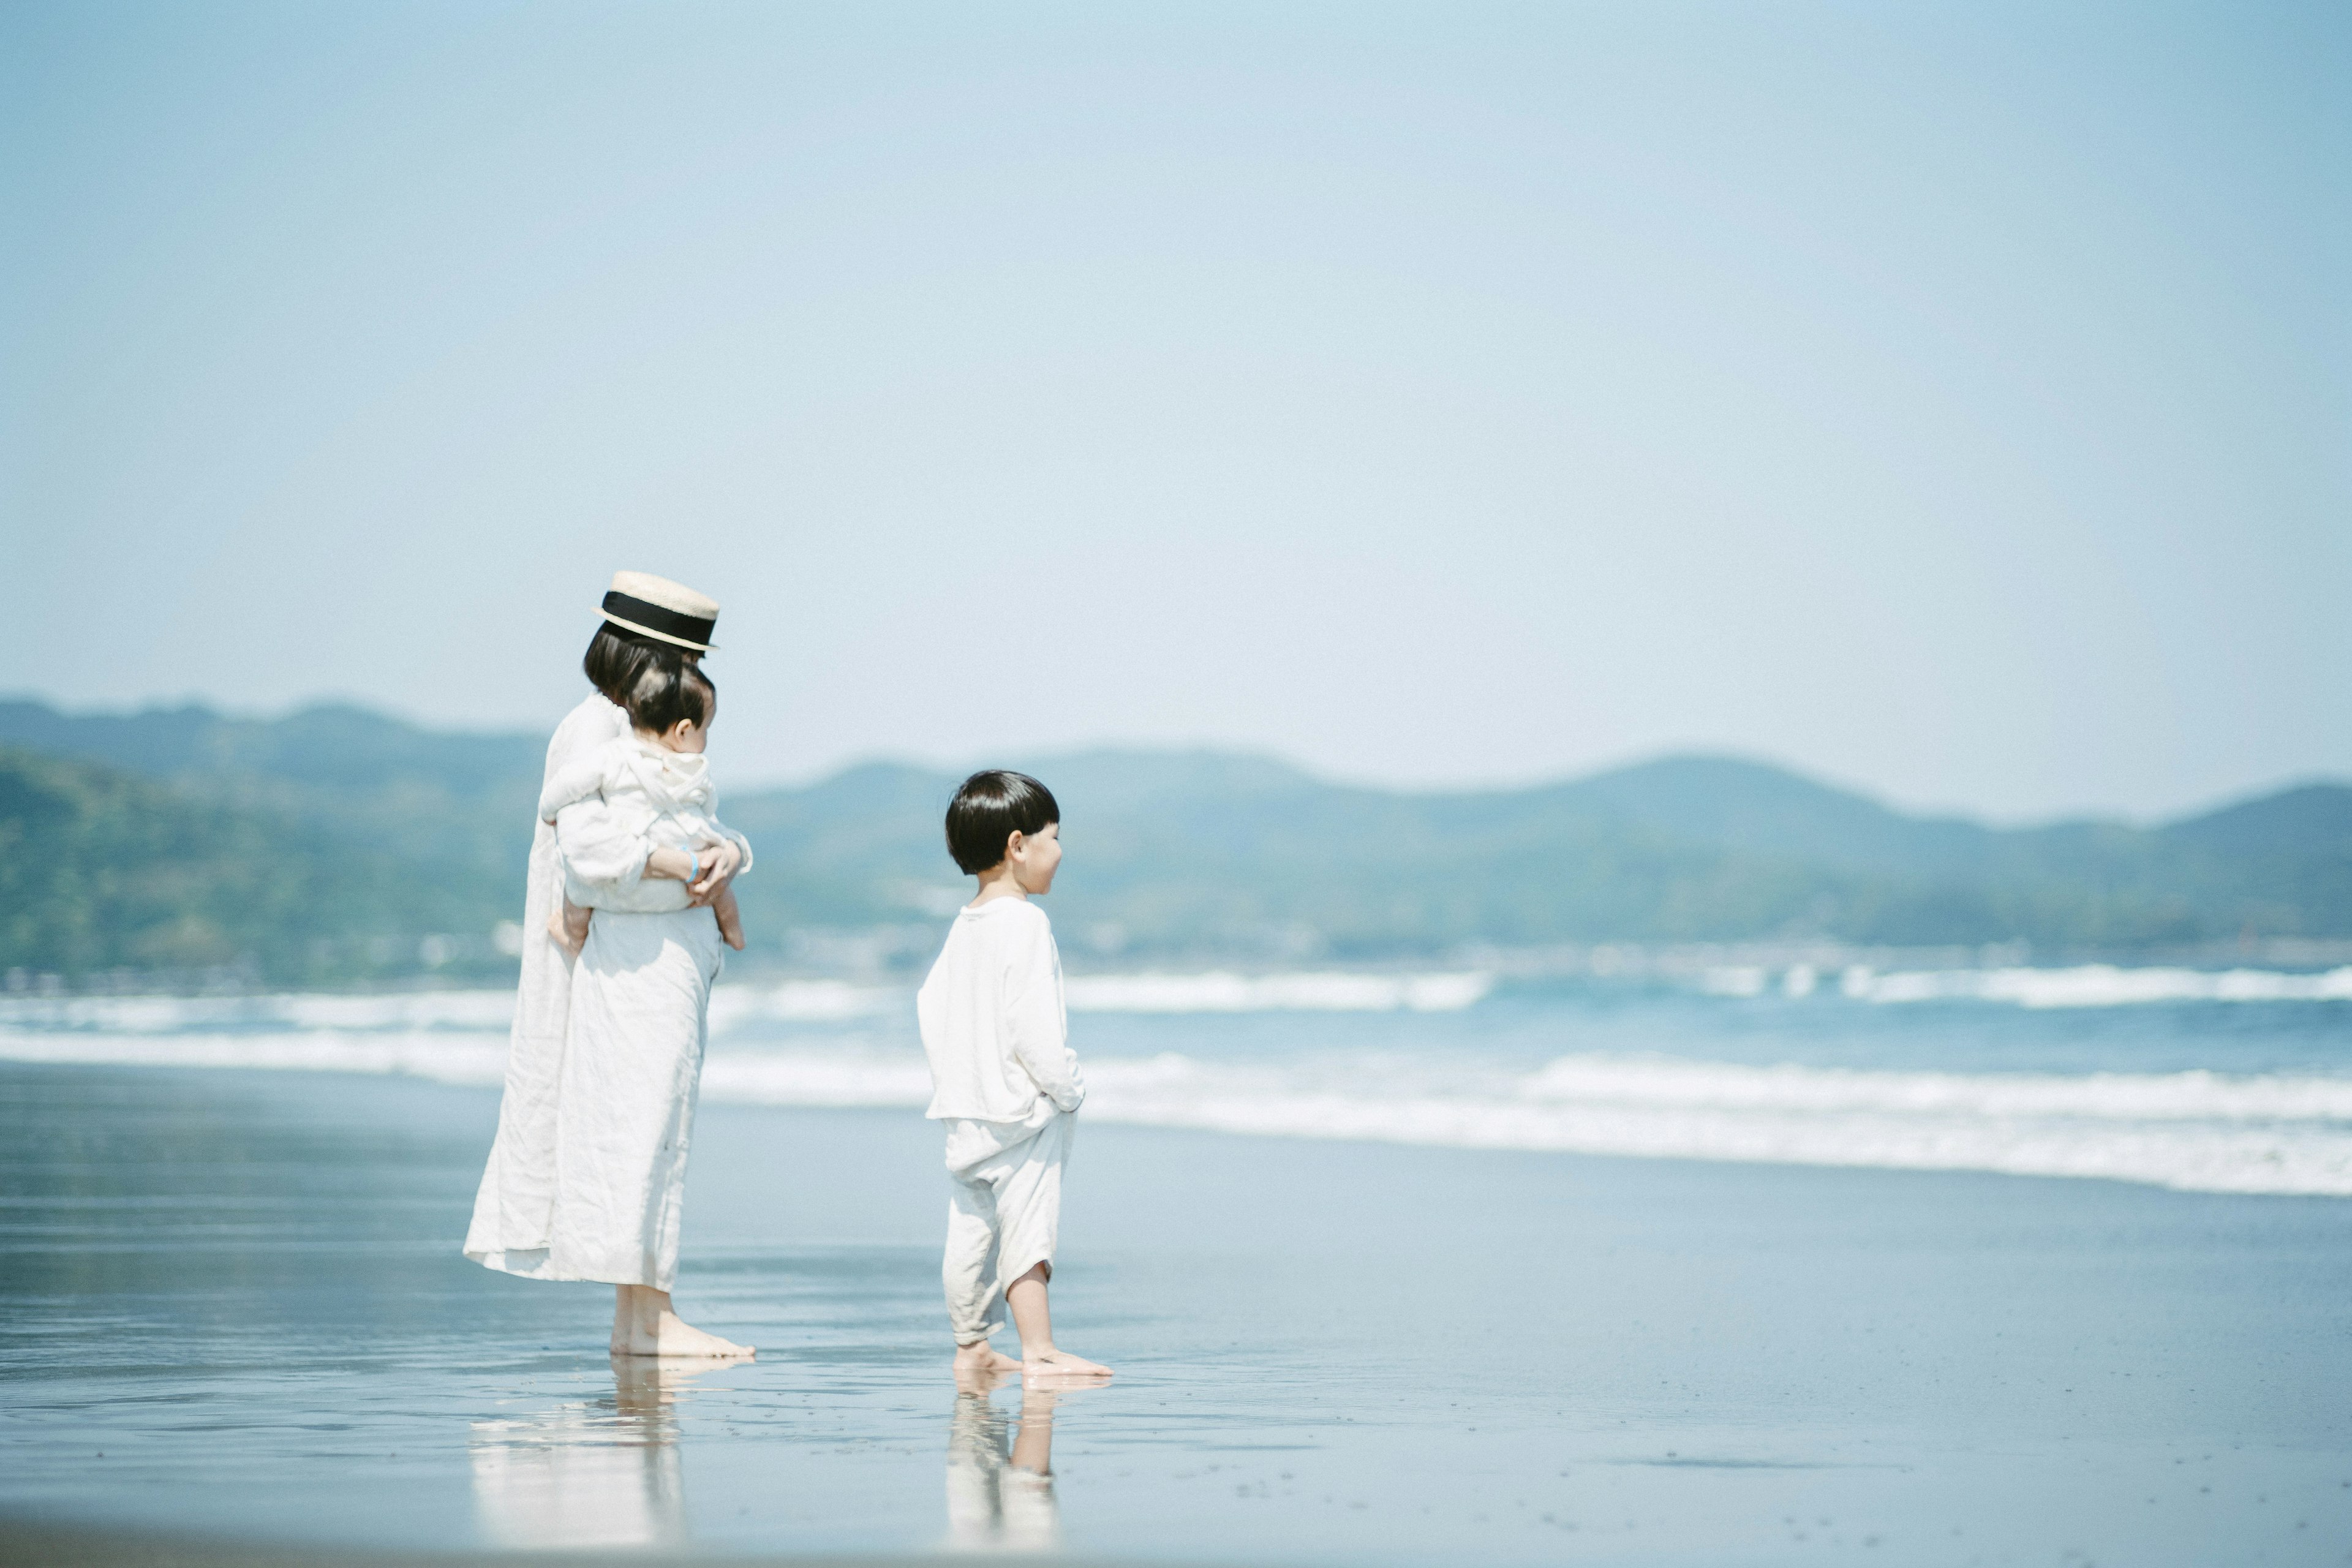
<point>670,687</point>
<point>991,808</point>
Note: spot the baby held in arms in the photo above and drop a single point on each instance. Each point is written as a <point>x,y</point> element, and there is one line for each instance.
<point>659,782</point>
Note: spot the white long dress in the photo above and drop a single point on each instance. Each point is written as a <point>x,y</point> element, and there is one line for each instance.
<point>586,1178</point>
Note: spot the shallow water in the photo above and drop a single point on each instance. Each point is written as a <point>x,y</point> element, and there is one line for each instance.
<point>241,1289</point>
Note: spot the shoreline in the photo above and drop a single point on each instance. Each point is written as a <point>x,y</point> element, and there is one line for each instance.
<point>1630,962</point>
<point>29,1540</point>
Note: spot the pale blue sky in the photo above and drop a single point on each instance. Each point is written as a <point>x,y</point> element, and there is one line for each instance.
<point>1952,400</point>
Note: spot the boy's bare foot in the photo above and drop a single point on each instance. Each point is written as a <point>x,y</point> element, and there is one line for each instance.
<point>1044,1364</point>
<point>983,1357</point>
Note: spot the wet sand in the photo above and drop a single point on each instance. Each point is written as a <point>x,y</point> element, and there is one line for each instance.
<point>31,1544</point>
<point>234,1314</point>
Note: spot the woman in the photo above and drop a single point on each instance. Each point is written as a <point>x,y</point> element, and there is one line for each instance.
<point>587,1175</point>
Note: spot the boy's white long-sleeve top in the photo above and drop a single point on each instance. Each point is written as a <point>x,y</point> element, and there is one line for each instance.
<point>993,1019</point>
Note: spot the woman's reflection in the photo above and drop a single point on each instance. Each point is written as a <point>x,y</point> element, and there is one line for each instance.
<point>603,1472</point>
<point>1001,1501</point>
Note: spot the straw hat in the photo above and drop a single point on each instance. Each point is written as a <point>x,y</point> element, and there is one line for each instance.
<point>661,609</point>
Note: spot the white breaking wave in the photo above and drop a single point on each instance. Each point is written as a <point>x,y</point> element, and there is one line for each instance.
<point>1217,991</point>
<point>1221,992</point>
<point>445,1057</point>
<point>2195,1132</point>
<point>2090,985</point>
<point>2198,1131</point>
<point>794,1001</point>
<point>807,1001</point>
<point>295,1010</point>
<point>791,1000</point>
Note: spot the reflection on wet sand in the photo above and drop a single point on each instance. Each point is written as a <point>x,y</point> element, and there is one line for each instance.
<point>1001,1499</point>
<point>601,1472</point>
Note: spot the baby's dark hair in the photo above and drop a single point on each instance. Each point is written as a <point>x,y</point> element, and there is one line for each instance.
<point>991,808</point>
<point>617,655</point>
<point>670,687</point>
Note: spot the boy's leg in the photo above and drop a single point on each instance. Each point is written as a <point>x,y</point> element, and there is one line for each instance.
<point>968,1271</point>
<point>1034,1320</point>
<point>1029,1209</point>
<point>1033,1520</point>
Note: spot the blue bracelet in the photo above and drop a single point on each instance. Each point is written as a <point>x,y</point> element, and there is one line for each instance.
<point>693,868</point>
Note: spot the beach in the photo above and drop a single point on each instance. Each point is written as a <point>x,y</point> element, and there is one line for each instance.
<point>235,1312</point>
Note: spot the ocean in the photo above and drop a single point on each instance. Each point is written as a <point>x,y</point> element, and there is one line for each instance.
<point>2234,1081</point>
<point>1755,1265</point>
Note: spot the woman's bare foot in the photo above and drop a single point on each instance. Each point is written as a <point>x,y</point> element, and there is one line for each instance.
<point>983,1357</point>
<point>1057,1364</point>
<point>644,1323</point>
<point>672,1335</point>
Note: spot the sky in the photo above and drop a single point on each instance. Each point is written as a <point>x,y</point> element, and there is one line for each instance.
<point>1953,401</point>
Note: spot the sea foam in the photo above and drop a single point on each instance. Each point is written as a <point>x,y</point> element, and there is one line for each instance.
<point>2198,1131</point>
<point>849,1045</point>
<point>1224,992</point>
<point>2097,985</point>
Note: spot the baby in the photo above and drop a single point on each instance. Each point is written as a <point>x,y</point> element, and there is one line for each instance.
<point>657,782</point>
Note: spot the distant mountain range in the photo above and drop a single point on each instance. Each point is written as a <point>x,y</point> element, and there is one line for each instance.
<point>338,844</point>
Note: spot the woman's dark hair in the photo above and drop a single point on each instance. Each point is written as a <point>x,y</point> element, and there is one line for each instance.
<point>989,808</point>
<point>616,657</point>
<point>670,687</point>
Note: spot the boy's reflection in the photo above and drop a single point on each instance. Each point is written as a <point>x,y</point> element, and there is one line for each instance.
<point>602,1472</point>
<point>1000,1500</point>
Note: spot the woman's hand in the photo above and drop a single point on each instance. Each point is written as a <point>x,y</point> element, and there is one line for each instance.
<point>721,858</point>
<point>706,868</point>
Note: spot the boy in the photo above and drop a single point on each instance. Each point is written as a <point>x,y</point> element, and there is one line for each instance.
<point>1003,1078</point>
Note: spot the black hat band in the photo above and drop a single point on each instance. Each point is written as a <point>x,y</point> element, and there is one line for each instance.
<point>654,619</point>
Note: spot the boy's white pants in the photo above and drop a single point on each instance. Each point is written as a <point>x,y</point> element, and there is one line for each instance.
<point>1005,1213</point>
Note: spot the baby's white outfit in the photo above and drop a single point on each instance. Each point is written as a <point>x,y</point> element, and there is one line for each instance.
<point>1005,1082</point>
<point>657,799</point>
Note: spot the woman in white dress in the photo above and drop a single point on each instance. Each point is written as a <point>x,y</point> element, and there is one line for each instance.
<point>586,1179</point>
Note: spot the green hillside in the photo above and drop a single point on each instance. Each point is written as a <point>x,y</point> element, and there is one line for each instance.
<point>101,869</point>
<point>1217,853</point>
<point>337,843</point>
